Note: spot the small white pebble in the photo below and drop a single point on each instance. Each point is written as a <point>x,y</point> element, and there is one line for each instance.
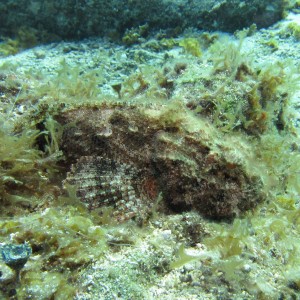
<point>247,268</point>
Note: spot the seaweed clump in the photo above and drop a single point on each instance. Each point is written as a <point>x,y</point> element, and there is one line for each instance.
<point>294,29</point>
<point>191,46</point>
<point>19,163</point>
<point>24,38</point>
<point>61,241</point>
<point>235,95</point>
<point>59,231</point>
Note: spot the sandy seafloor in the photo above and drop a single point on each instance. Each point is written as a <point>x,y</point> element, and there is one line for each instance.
<point>128,273</point>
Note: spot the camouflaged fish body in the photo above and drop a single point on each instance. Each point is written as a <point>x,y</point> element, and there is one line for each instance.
<point>104,182</point>
<point>125,157</point>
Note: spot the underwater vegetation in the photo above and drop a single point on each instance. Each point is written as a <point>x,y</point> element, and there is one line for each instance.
<point>17,163</point>
<point>62,240</point>
<point>207,135</point>
<point>24,38</point>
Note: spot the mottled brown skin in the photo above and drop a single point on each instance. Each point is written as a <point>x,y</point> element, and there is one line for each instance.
<point>169,160</point>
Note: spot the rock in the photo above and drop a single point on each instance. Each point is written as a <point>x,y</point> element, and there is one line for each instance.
<point>67,19</point>
<point>15,256</point>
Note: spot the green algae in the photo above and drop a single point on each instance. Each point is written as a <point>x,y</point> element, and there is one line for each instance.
<point>191,46</point>
<point>34,284</point>
<point>256,241</point>
<point>18,167</point>
<point>63,240</point>
<point>25,38</point>
<point>73,238</point>
<point>134,35</point>
<point>294,29</point>
<point>183,258</point>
